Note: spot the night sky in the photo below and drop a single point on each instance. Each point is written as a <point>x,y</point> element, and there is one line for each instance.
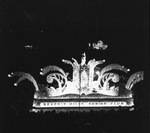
<point>61,29</point>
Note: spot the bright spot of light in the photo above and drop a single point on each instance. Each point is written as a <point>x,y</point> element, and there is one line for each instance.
<point>97,72</point>
<point>131,109</point>
<point>15,84</point>
<point>128,70</point>
<point>9,75</point>
<point>28,46</point>
<point>41,73</point>
<point>99,45</point>
<point>89,44</point>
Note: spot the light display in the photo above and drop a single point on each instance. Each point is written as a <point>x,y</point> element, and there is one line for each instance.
<point>90,86</point>
<point>99,45</point>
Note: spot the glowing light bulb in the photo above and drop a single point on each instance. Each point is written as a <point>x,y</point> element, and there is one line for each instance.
<point>15,84</point>
<point>9,75</point>
<point>41,73</point>
<point>41,69</point>
<point>104,60</point>
<point>128,70</point>
<point>89,44</point>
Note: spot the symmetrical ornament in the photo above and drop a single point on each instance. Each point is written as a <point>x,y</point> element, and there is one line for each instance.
<point>88,82</point>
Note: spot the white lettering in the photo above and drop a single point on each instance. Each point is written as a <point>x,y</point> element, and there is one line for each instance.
<point>82,104</point>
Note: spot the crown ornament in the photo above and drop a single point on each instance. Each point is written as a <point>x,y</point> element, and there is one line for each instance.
<point>90,85</point>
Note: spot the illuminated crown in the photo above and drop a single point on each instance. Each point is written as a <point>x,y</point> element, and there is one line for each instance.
<point>88,82</point>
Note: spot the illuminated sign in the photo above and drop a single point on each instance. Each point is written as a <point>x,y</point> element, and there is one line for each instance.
<point>83,104</point>
<point>89,81</point>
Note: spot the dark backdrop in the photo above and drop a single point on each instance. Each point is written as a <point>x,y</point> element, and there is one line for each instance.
<point>58,29</point>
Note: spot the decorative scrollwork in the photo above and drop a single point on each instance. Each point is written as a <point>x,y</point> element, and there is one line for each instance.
<point>75,64</point>
<point>134,78</point>
<point>111,76</point>
<point>60,77</point>
<point>107,77</point>
<point>22,76</point>
<point>86,79</point>
<point>51,68</point>
<point>114,66</point>
<point>75,76</point>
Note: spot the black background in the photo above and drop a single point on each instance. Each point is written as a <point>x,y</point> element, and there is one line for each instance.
<point>62,29</point>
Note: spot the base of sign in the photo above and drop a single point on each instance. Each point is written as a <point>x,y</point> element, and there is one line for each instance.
<point>78,104</point>
<point>81,109</point>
